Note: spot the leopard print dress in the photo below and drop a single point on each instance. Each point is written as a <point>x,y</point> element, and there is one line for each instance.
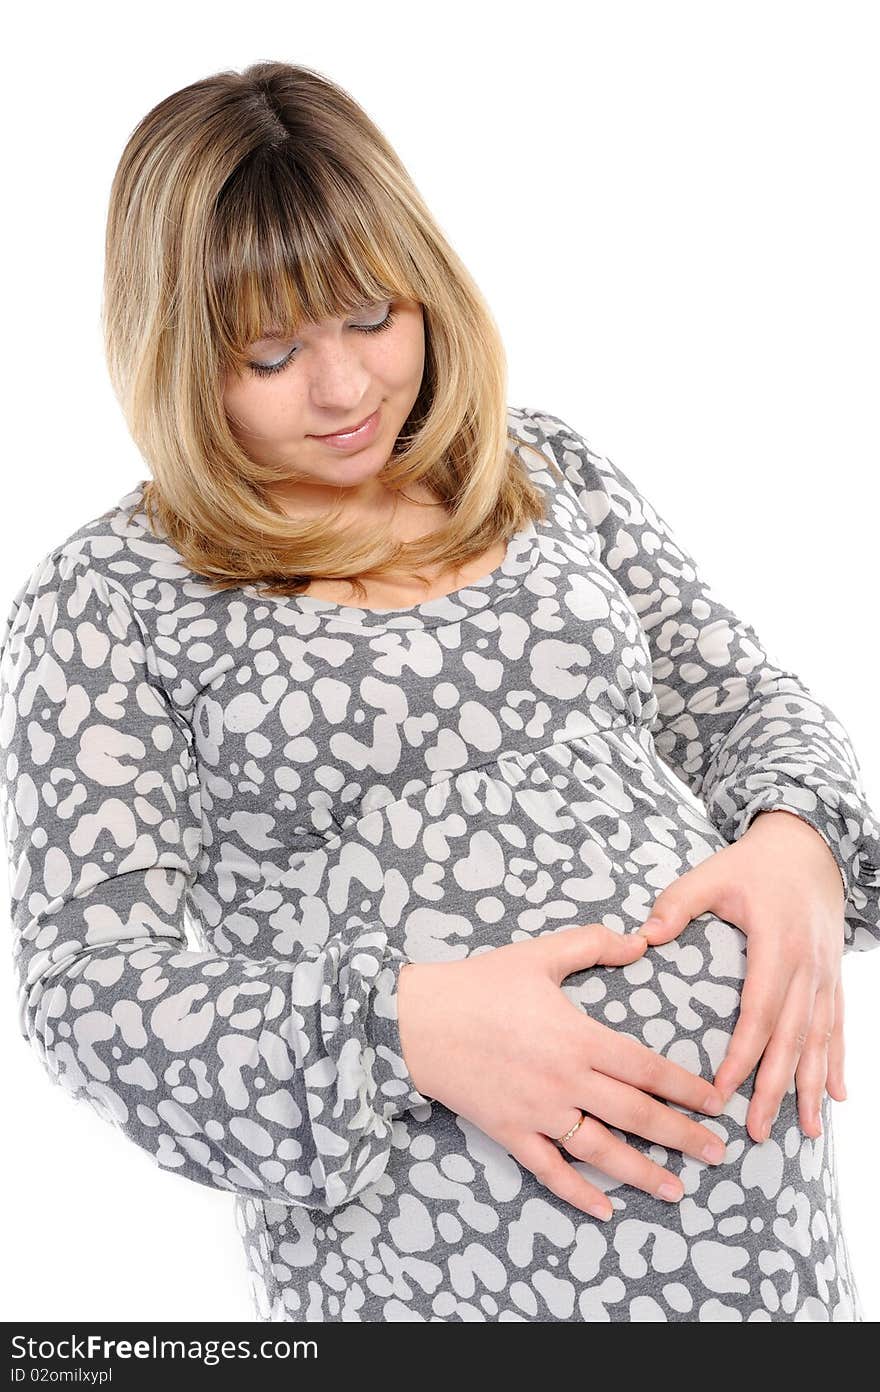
<point>321,793</point>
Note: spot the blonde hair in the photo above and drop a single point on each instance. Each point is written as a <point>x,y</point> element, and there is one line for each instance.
<point>269,196</point>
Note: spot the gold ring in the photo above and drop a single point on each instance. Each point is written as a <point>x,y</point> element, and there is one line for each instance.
<point>568,1135</point>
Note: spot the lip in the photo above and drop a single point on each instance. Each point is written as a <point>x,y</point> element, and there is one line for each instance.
<point>353,439</point>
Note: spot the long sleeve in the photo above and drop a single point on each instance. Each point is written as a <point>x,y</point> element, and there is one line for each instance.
<point>273,1078</point>
<point>743,732</point>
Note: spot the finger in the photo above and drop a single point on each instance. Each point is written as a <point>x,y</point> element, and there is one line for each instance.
<point>631,1110</point>
<point>693,893</point>
<point>625,1059</point>
<point>662,930</point>
<point>595,1144</point>
<point>546,1162</point>
<point>837,1050</point>
<point>570,950</point>
<point>781,1057</point>
<point>763,996</point>
<point>812,1068</point>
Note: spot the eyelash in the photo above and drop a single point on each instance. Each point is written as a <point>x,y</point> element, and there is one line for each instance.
<point>264,370</point>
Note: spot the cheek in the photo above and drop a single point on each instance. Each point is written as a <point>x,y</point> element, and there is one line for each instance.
<point>238,397</point>
<point>402,359</point>
<point>257,407</point>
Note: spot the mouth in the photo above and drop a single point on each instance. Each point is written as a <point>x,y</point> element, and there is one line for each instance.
<point>349,430</point>
<point>354,437</point>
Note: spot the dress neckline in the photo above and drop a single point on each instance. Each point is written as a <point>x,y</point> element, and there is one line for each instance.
<point>487,592</point>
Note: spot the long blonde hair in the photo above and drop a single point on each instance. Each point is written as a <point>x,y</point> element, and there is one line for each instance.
<point>269,196</point>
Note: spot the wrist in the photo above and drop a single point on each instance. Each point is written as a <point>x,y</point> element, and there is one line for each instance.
<point>793,824</point>
<point>412,1002</point>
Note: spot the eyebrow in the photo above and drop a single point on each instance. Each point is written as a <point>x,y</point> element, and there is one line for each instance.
<point>275,332</point>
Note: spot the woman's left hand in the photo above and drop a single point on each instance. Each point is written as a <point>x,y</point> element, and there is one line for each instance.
<point>780,884</point>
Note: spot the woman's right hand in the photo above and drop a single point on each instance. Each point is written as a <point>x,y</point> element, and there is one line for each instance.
<point>495,1039</point>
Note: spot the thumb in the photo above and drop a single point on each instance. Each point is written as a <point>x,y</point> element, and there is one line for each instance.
<point>681,901</point>
<point>586,945</point>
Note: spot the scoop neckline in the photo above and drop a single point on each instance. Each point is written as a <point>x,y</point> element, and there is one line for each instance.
<point>475,598</point>
<point>471,600</point>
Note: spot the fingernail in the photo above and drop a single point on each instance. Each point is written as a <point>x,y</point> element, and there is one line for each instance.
<point>598,1211</point>
<point>765,1131</point>
<point>713,1105</point>
<point>650,923</point>
<point>670,1191</point>
<point>713,1151</point>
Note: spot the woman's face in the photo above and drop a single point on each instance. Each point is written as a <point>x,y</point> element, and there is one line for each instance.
<point>330,377</point>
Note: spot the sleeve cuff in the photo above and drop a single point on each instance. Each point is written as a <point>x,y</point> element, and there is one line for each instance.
<point>843,820</point>
<point>781,800</point>
<point>397,1091</point>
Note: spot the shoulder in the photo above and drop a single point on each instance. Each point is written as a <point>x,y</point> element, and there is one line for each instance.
<point>580,463</point>
<point>605,493</point>
<point>543,428</point>
<point>110,555</point>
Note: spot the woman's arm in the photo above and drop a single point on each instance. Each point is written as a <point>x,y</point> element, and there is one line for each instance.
<point>269,1077</point>
<point>743,732</point>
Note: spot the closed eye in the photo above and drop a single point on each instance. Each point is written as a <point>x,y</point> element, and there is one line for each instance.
<point>270,369</point>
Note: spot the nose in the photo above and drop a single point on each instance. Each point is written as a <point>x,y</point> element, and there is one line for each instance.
<point>339,383</point>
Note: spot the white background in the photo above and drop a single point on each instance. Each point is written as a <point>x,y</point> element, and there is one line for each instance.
<point>673,212</point>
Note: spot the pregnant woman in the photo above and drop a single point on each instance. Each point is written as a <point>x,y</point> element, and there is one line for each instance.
<point>520,873</point>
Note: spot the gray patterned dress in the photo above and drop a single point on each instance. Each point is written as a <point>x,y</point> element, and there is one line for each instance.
<point>323,793</point>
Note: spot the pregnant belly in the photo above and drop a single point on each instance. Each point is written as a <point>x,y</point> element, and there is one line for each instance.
<point>455,1228</point>
<point>585,830</point>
